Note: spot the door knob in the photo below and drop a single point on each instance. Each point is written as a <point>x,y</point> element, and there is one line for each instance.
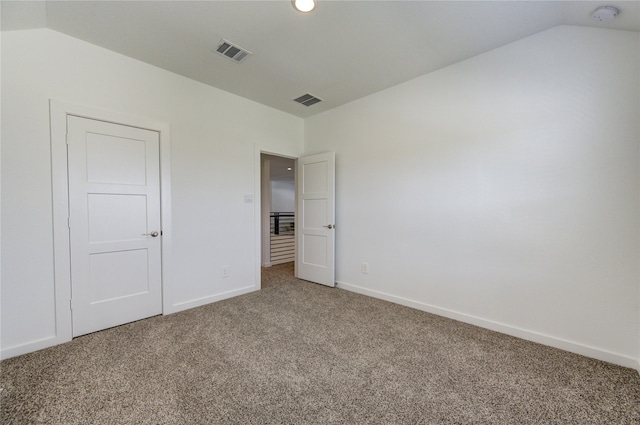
<point>330,226</point>
<point>152,234</point>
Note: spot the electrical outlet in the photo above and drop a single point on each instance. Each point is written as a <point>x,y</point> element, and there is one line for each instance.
<point>365,268</point>
<point>225,271</point>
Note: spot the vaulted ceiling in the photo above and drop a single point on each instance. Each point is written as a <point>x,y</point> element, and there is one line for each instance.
<point>342,51</point>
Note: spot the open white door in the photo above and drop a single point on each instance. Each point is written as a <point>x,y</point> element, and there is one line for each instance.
<point>315,229</point>
<point>114,220</point>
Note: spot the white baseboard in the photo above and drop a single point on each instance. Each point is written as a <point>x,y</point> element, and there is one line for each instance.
<point>540,338</point>
<point>47,342</point>
<point>185,305</point>
<point>18,350</point>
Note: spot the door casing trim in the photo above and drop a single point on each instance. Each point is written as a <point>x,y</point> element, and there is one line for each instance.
<point>59,110</point>
<point>258,150</point>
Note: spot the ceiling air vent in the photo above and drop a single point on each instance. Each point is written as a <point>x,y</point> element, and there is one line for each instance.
<point>307,99</point>
<point>231,51</point>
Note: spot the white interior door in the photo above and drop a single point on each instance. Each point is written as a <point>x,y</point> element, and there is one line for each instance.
<point>315,229</point>
<point>114,221</point>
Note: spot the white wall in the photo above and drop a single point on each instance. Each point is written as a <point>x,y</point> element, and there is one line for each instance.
<point>502,190</point>
<point>213,137</point>
<point>0,180</point>
<point>282,196</point>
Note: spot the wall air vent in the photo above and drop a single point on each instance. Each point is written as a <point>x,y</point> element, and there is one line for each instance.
<point>307,99</point>
<point>231,51</point>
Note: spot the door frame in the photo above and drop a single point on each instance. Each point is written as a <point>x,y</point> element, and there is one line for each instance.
<point>59,110</point>
<point>266,203</point>
<point>258,213</point>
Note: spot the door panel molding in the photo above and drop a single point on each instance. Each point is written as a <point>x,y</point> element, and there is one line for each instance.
<point>59,110</point>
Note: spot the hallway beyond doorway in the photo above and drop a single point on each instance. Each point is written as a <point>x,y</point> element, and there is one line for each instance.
<point>277,275</point>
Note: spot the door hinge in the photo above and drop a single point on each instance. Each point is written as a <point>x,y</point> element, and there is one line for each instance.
<point>69,222</point>
<point>71,304</point>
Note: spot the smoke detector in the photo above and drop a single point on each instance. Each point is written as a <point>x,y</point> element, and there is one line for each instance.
<point>605,13</point>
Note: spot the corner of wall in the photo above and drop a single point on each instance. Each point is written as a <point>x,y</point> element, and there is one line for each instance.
<point>0,192</point>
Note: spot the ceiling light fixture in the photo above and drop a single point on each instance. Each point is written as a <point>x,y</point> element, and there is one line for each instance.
<point>304,5</point>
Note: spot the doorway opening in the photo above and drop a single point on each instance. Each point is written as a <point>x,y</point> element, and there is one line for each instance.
<point>278,206</point>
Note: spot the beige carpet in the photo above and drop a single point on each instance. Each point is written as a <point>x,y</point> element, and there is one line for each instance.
<point>300,353</point>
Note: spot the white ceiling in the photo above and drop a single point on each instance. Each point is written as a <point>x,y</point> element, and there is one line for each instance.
<point>342,51</point>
